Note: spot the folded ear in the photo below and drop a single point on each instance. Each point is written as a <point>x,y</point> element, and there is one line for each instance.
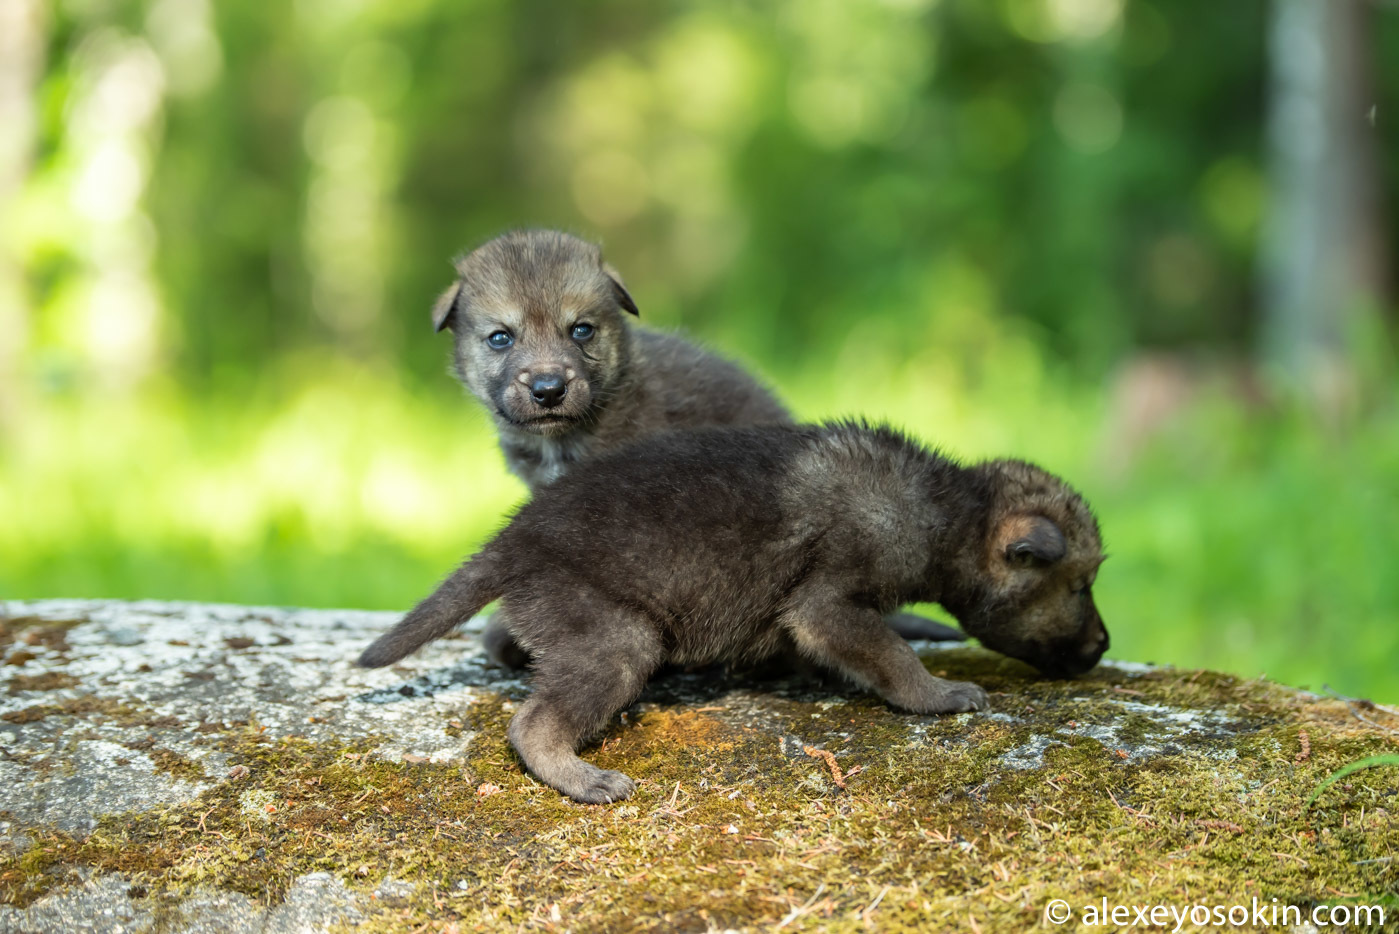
<point>1032,540</point>
<point>620,291</point>
<point>445,307</point>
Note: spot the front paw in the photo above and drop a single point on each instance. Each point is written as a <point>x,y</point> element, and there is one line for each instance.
<point>600,786</point>
<point>957,697</point>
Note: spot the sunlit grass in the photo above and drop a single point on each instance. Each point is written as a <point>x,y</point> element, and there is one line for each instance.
<point>307,495</point>
<point>1254,544</point>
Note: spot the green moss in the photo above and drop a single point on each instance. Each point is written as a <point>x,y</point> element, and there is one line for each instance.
<point>47,681</point>
<point>733,825</point>
<point>172,763</point>
<point>34,630</point>
<point>82,706</point>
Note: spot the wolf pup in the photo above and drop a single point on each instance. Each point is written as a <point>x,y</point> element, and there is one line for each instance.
<point>736,544</point>
<point>542,341</point>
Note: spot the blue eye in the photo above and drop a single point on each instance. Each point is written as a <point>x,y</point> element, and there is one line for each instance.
<point>500,339</point>
<point>583,332</point>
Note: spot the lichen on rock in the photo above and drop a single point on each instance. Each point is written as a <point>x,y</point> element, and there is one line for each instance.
<point>196,767</point>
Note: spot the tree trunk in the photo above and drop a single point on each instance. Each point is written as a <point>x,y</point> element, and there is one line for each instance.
<point>1324,251</point>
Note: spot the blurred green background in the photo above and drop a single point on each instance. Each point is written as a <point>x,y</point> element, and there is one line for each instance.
<point>1145,244</point>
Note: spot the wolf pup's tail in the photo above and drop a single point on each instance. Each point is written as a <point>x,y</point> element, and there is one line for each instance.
<point>460,597</point>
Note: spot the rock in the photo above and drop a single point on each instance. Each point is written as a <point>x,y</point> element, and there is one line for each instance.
<point>96,905</point>
<point>191,767</point>
<point>110,904</point>
<point>125,635</point>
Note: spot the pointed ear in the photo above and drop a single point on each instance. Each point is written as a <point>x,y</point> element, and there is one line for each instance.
<point>619,291</point>
<point>445,307</point>
<point>1032,540</point>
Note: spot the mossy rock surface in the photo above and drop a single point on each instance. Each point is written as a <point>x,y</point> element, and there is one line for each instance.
<point>190,767</point>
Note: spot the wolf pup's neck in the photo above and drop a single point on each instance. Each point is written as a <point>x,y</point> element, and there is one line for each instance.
<point>956,546</point>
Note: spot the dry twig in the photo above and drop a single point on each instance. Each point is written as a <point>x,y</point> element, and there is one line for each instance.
<point>830,761</point>
<point>865,915</point>
<point>1354,704</point>
<point>796,913</point>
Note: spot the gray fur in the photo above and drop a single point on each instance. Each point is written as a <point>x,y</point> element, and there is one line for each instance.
<point>737,545</point>
<point>622,384</point>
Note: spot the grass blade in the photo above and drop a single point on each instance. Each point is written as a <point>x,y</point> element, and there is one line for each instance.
<point>1345,770</point>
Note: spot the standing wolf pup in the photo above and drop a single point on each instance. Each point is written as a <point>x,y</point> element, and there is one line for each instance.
<point>542,340</point>
<point>736,544</point>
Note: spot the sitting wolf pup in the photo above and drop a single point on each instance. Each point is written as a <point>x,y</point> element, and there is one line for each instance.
<point>542,341</point>
<point>736,544</point>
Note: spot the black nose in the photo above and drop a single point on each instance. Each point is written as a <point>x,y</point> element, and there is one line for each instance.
<point>548,391</point>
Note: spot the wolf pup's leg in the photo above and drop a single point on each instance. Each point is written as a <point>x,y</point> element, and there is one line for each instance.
<point>580,681</point>
<point>828,628</point>
<point>913,626</point>
<point>500,645</point>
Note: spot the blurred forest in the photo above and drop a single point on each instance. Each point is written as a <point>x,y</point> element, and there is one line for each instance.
<point>1145,243</point>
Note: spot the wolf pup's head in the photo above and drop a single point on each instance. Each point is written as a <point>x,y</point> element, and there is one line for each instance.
<point>1038,566</point>
<point>540,329</point>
